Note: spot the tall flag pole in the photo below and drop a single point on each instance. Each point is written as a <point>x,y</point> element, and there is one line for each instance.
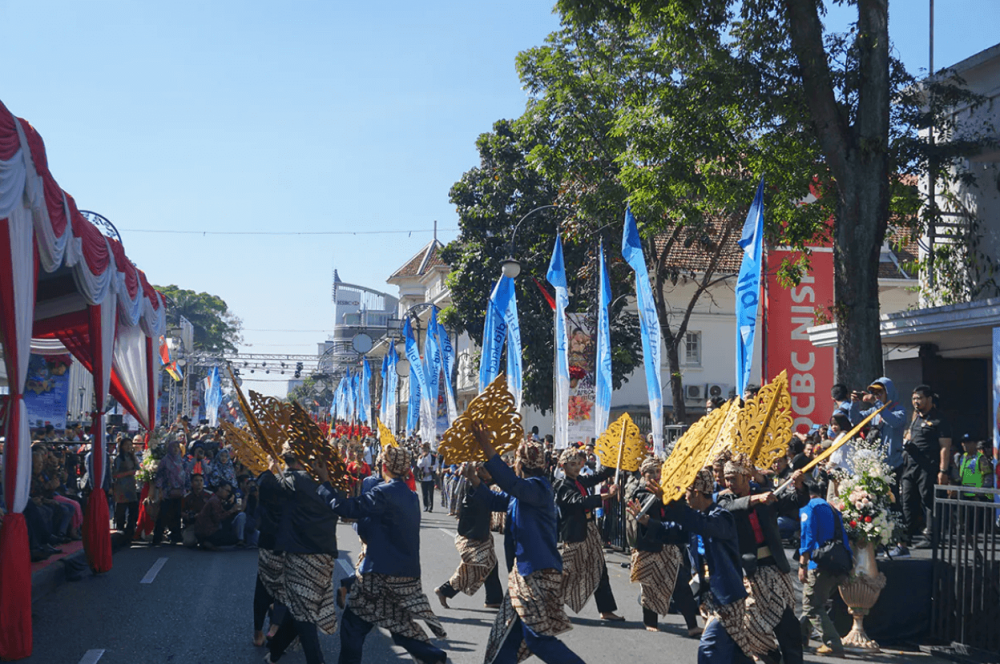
<point>557,277</point>
<point>748,288</point>
<point>649,326</point>
<point>432,381</point>
<point>602,398</point>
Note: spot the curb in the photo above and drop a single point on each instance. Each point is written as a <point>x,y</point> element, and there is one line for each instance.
<point>47,579</point>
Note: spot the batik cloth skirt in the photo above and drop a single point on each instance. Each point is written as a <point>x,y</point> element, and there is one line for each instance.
<point>537,600</point>
<point>656,574</point>
<point>394,603</point>
<point>732,616</point>
<point>770,593</point>
<point>271,569</point>
<point>308,583</point>
<point>583,564</point>
<point>478,559</point>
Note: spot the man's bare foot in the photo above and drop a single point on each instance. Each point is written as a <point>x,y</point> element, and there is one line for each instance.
<point>612,617</point>
<point>652,629</point>
<point>258,638</point>
<point>272,631</point>
<point>442,598</point>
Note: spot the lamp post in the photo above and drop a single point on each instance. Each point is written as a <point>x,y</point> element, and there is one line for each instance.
<point>510,266</point>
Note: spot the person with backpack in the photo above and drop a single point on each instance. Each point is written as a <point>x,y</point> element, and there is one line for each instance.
<point>824,563</point>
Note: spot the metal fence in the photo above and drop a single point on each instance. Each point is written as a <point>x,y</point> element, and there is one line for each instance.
<point>616,525</point>
<point>965,597</point>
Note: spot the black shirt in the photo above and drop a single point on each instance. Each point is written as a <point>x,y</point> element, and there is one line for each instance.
<point>926,432</point>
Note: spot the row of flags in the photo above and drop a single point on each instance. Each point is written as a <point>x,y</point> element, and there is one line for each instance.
<point>352,398</point>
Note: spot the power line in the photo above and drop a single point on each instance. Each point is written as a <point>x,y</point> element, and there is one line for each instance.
<point>185,232</point>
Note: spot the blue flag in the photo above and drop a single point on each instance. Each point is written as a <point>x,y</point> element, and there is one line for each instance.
<point>514,374</point>
<point>432,381</point>
<point>448,366</point>
<point>382,403</point>
<point>213,397</point>
<point>748,288</point>
<point>392,389</point>
<point>602,397</point>
<point>495,331</point>
<point>649,326</point>
<point>557,277</point>
<point>413,406</point>
<point>365,398</point>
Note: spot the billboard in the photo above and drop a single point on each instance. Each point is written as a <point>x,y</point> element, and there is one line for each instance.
<point>46,392</point>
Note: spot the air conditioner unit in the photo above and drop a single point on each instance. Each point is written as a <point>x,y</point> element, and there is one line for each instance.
<point>713,390</point>
<point>694,393</point>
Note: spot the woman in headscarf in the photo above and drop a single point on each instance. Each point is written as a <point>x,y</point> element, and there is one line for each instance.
<point>223,470</point>
<point>170,481</point>
<point>123,486</point>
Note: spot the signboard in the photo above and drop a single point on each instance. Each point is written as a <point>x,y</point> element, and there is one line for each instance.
<point>790,312</point>
<point>46,392</point>
<point>582,381</point>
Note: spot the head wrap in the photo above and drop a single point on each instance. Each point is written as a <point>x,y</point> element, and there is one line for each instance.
<point>722,457</point>
<point>531,455</point>
<point>650,465</point>
<point>396,460</point>
<point>739,463</point>
<point>568,455</point>
<point>704,482</point>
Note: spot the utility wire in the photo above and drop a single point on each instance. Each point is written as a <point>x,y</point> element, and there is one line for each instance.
<point>187,232</point>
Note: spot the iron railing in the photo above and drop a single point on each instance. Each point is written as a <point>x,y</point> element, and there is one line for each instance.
<point>965,596</point>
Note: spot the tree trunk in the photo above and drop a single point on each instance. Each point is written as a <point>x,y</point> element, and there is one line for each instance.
<point>676,382</point>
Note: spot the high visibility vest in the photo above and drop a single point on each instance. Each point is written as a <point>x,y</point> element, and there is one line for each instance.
<point>970,472</point>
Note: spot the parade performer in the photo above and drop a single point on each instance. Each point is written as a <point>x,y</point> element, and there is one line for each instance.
<point>307,543</point>
<point>387,592</point>
<point>475,546</point>
<point>654,563</point>
<point>532,613</point>
<point>585,572</point>
<point>270,565</point>
<point>714,544</point>
<point>771,605</point>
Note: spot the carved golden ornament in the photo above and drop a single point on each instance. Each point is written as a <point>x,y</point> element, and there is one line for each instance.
<point>245,447</point>
<point>494,408</point>
<point>690,454</point>
<point>307,441</point>
<point>621,441</point>
<point>385,436</point>
<point>765,424</point>
<point>252,422</point>
<point>726,433</point>
<point>274,418</point>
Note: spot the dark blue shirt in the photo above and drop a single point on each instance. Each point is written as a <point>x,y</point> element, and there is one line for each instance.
<point>531,517</point>
<point>818,527</point>
<point>392,527</point>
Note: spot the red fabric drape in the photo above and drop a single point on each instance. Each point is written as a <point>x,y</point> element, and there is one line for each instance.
<point>96,529</point>
<point>15,589</point>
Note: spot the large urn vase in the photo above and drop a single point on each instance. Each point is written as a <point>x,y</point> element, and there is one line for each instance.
<point>860,592</point>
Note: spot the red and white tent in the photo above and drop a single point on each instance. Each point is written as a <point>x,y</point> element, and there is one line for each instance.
<point>63,284</point>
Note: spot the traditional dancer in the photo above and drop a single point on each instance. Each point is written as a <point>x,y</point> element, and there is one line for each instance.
<point>654,564</point>
<point>532,612</point>
<point>770,609</point>
<point>585,572</point>
<point>387,592</point>
<point>307,542</point>
<point>270,565</point>
<point>714,543</point>
<point>475,546</point>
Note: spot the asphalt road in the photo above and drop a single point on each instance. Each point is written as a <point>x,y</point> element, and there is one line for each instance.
<point>196,607</point>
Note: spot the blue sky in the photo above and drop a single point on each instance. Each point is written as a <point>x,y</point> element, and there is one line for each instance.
<point>299,115</point>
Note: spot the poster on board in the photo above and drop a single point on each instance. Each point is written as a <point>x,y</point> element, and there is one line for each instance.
<point>582,381</point>
<point>46,392</point>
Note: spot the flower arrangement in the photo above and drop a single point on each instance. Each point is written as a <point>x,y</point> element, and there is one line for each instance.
<point>864,496</point>
<point>150,464</point>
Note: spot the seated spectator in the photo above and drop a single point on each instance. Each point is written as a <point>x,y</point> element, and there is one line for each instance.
<point>194,501</point>
<point>218,525</point>
<point>58,516</point>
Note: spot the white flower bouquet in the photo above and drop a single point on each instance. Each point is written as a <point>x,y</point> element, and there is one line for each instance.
<point>865,496</point>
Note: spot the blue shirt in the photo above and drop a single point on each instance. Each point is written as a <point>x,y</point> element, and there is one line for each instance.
<point>531,516</point>
<point>392,527</point>
<point>817,527</point>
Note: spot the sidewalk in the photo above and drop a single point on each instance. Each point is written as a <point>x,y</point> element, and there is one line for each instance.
<point>70,565</point>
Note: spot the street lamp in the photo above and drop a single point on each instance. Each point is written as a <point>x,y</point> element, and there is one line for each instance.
<point>510,266</point>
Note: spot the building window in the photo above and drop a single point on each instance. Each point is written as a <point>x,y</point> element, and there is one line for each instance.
<point>691,351</point>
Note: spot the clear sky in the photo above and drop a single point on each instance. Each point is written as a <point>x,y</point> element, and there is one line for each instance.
<point>301,115</point>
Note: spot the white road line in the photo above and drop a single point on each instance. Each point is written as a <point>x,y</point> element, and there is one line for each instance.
<point>449,533</point>
<point>348,570</point>
<point>91,656</point>
<point>150,575</point>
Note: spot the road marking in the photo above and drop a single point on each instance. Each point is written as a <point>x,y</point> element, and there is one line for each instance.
<point>348,570</point>
<point>150,575</point>
<point>91,656</point>
<point>449,533</point>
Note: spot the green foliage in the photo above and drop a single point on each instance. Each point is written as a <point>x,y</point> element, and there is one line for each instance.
<point>490,200</point>
<point>216,328</point>
<point>309,394</point>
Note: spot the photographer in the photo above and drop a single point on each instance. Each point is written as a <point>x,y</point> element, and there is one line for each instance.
<point>890,423</point>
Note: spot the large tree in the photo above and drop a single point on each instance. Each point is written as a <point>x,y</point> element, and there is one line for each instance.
<point>216,328</point>
<point>491,198</point>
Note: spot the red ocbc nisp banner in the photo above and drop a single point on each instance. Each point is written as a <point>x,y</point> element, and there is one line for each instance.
<point>790,312</point>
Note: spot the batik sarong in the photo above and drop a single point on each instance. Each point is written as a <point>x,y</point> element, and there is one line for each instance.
<point>478,560</point>
<point>583,564</point>
<point>770,593</point>
<point>394,603</point>
<point>271,568</point>
<point>537,600</point>
<point>308,589</point>
<point>732,617</point>
<point>656,574</point>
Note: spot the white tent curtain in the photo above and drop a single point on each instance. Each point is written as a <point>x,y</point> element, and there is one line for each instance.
<point>130,367</point>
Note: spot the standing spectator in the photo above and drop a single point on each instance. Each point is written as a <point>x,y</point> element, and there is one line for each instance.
<point>927,457</point>
<point>820,523</point>
<point>841,397</point>
<point>126,496</point>
<point>223,471</point>
<point>170,481</point>
<point>425,470</point>
<point>890,423</point>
